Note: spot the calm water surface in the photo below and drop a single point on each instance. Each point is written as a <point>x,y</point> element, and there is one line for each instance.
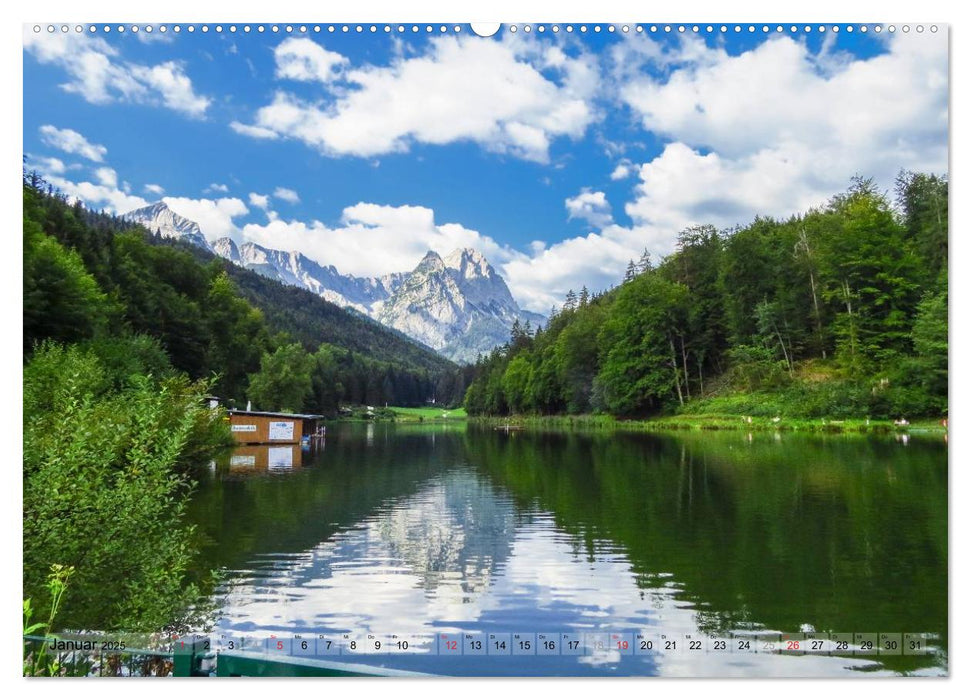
<point>428,529</point>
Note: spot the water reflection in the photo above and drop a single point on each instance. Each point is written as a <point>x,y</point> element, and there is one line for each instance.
<point>428,530</point>
<point>260,458</point>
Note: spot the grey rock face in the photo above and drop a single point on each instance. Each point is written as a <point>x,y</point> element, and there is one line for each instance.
<point>458,305</point>
<point>158,218</point>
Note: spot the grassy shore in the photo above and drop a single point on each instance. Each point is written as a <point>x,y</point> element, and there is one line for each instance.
<point>714,422</point>
<point>427,414</point>
<point>400,414</point>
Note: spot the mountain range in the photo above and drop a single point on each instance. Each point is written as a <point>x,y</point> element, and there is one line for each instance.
<point>158,218</point>
<point>457,305</point>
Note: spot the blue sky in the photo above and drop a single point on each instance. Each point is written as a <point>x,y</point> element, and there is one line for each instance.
<point>560,155</point>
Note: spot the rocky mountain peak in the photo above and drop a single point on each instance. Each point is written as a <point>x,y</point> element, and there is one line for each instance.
<point>431,260</point>
<point>469,263</point>
<point>458,305</point>
<point>158,217</point>
<point>227,248</point>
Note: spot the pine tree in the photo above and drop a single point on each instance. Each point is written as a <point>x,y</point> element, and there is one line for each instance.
<point>571,301</point>
<point>517,332</point>
<point>645,264</point>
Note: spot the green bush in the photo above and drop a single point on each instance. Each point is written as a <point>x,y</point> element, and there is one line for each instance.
<point>106,480</point>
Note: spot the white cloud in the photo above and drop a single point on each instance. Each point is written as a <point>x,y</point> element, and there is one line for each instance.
<point>286,194</point>
<point>774,130</point>
<point>99,75</point>
<point>682,187</point>
<point>541,280</point>
<point>217,187</point>
<point>107,177</point>
<point>624,169</point>
<point>214,216</point>
<point>740,147</point>
<point>259,200</point>
<point>306,60</point>
<point>734,146</point>
<point>403,234</point>
<point>174,87</point>
<point>44,165</point>
<point>70,141</point>
<point>871,114</point>
<point>256,132</point>
<point>513,96</point>
<point>589,206</point>
<point>98,196</point>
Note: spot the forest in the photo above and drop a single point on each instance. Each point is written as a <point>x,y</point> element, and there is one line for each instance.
<point>838,312</point>
<point>95,279</point>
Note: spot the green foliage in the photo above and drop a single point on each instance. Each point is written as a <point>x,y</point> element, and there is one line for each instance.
<point>873,278</point>
<point>428,413</point>
<point>515,382</point>
<point>640,369</point>
<point>89,275</point>
<point>61,300</point>
<point>575,356</point>
<point>310,320</point>
<point>128,357</point>
<point>283,380</point>
<point>855,285</point>
<point>105,485</point>
<point>115,424</point>
<point>755,367</point>
<point>924,200</point>
<point>238,336</point>
<point>930,343</point>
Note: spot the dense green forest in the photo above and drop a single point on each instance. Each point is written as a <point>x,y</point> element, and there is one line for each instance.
<point>837,312</point>
<point>89,276</point>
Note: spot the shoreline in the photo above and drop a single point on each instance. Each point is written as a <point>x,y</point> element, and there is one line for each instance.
<point>674,423</point>
<point>688,422</point>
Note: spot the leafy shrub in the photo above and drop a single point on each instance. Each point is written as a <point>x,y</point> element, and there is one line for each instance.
<point>106,481</point>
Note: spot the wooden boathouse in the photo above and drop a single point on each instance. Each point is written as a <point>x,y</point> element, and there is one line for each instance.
<point>267,428</point>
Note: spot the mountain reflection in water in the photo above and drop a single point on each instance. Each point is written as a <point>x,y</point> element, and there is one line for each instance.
<point>401,529</point>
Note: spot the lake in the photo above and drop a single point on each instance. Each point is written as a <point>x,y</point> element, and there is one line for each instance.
<point>410,529</point>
